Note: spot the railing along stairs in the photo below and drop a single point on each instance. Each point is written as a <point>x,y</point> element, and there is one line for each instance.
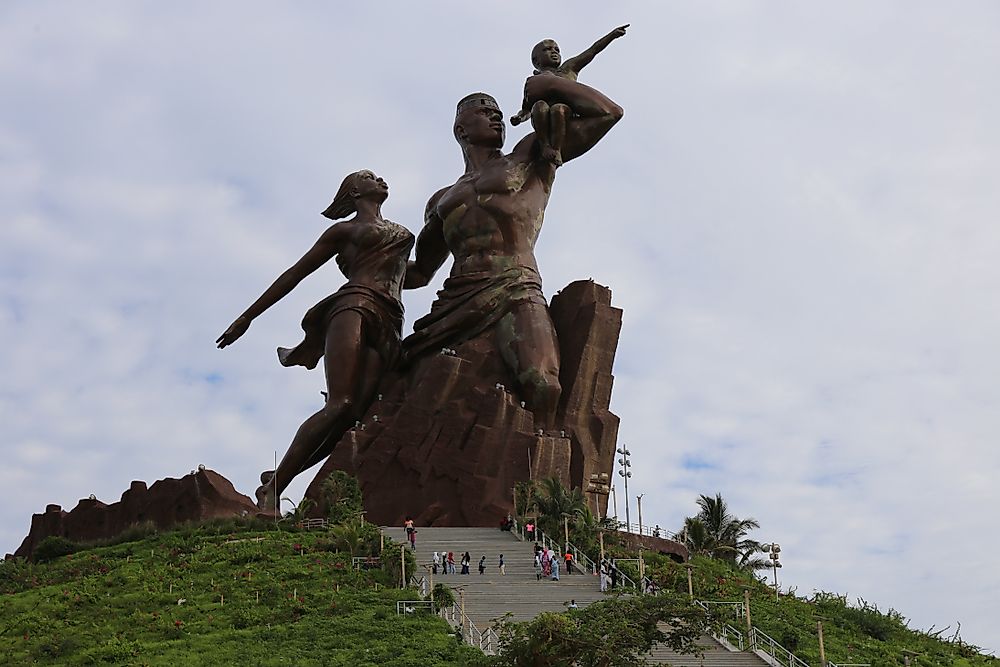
<point>484,640</point>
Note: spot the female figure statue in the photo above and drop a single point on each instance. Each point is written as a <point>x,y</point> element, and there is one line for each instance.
<point>357,329</point>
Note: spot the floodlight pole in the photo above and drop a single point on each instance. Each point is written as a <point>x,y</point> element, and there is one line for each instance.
<point>625,473</point>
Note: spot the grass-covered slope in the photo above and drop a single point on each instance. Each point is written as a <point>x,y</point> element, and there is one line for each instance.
<point>853,631</point>
<point>214,595</point>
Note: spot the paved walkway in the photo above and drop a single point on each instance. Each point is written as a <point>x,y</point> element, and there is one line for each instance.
<point>491,595</point>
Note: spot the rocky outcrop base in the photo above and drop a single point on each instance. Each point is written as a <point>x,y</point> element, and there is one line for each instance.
<point>201,495</point>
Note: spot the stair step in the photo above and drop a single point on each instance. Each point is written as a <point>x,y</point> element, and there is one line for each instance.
<point>491,595</point>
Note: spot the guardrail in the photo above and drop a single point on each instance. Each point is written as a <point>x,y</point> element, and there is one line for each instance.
<point>365,562</point>
<point>485,640</point>
<point>762,642</point>
<point>848,664</point>
<point>414,606</point>
<point>310,524</point>
<point>648,531</point>
<point>727,633</point>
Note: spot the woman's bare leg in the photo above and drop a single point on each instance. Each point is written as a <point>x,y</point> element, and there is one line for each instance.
<point>344,359</point>
<point>370,379</point>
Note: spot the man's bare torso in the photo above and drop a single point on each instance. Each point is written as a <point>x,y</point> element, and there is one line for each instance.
<point>492,217</point>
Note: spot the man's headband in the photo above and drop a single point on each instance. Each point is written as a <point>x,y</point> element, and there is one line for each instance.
<point>476,100</point>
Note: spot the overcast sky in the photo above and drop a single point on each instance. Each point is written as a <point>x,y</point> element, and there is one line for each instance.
<point>798,215</point>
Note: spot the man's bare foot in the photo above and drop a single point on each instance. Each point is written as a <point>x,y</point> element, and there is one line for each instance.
<point>266,499</point>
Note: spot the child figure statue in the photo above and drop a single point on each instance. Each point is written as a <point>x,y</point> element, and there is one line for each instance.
<point>549,116</point>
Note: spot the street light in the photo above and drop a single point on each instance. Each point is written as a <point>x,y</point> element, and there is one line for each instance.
<point>772,550</point>
<point>625,473</point>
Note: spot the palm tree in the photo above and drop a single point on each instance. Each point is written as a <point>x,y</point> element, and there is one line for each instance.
<point>525,498</point>
<point>554,502</point>
<point>301,510</point>
<point>348,537</point>
<point>720,534</point>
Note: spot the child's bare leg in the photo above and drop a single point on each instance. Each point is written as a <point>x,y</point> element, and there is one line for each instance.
<point>558,115</point>
<point>540,119</point>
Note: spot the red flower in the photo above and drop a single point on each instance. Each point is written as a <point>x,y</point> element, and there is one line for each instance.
<point>178,623</point>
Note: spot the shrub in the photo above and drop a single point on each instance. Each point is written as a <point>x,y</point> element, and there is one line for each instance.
<point>442,596</point>
<point>53,547</point>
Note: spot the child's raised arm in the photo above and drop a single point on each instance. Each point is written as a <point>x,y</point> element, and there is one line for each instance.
<point>577,63</point>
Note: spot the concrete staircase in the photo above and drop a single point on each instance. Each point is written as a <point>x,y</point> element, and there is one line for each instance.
<point>491,595</point>
<point>715,655</point>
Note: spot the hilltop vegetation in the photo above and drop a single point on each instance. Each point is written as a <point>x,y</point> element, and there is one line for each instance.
<point>221,594</point>
<point>256,593</point>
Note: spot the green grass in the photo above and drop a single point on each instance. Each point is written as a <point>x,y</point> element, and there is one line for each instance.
<point>250,597</point>
<point>853,631</point>
<point>254,595</point>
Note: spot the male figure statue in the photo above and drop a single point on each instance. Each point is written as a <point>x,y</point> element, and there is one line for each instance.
<point>489,219</point>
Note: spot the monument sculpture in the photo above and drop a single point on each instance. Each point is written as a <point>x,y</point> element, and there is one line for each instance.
<point>445,433</point>
<point>494,386</point>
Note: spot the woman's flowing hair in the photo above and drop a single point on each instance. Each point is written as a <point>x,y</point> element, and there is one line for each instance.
<point>343,203</point>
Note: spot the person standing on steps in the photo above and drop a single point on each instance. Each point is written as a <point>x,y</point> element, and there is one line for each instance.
<point>555,567</point>
<point>503,568</point>
<point>569,563</point>
<point>451,562</point>
<point>466,561</point>
<point>572,605</point>
<point>482,565</point>
<point>435,561</point>
<point>413,539</point>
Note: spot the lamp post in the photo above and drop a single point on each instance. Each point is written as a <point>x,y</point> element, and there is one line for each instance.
<point>638,502</point>
<point>625,473</point>
<point>772,551</point>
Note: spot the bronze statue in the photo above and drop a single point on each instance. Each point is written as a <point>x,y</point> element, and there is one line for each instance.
<point>357,329</point>
<point>489,220</point>
<point>548,116</point>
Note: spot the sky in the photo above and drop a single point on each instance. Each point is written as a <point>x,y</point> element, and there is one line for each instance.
<point>797,214</point>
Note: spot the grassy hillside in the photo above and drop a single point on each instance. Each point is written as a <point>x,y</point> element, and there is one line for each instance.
<point>221,594</point>
<point>853,631</point>
<point>234,593</point>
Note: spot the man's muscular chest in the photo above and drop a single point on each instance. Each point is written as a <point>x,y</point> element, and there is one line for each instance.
<point>491,188</point>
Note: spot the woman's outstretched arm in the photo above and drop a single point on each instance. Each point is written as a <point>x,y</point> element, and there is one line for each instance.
<point>328,245</point>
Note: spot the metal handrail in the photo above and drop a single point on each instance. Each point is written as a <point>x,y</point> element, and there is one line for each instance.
<point>727,629</point>
<point>624,578</point>
<point>848,664</point>
<point>358,561</point>
<point>739,608</point>
<point>420,583</point>
<point>408,606</point>
<point>485,640</point>
<point>761,641</point>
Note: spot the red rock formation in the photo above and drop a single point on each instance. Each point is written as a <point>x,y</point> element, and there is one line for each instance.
<point>201,495</point>
<point>449,438</point>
